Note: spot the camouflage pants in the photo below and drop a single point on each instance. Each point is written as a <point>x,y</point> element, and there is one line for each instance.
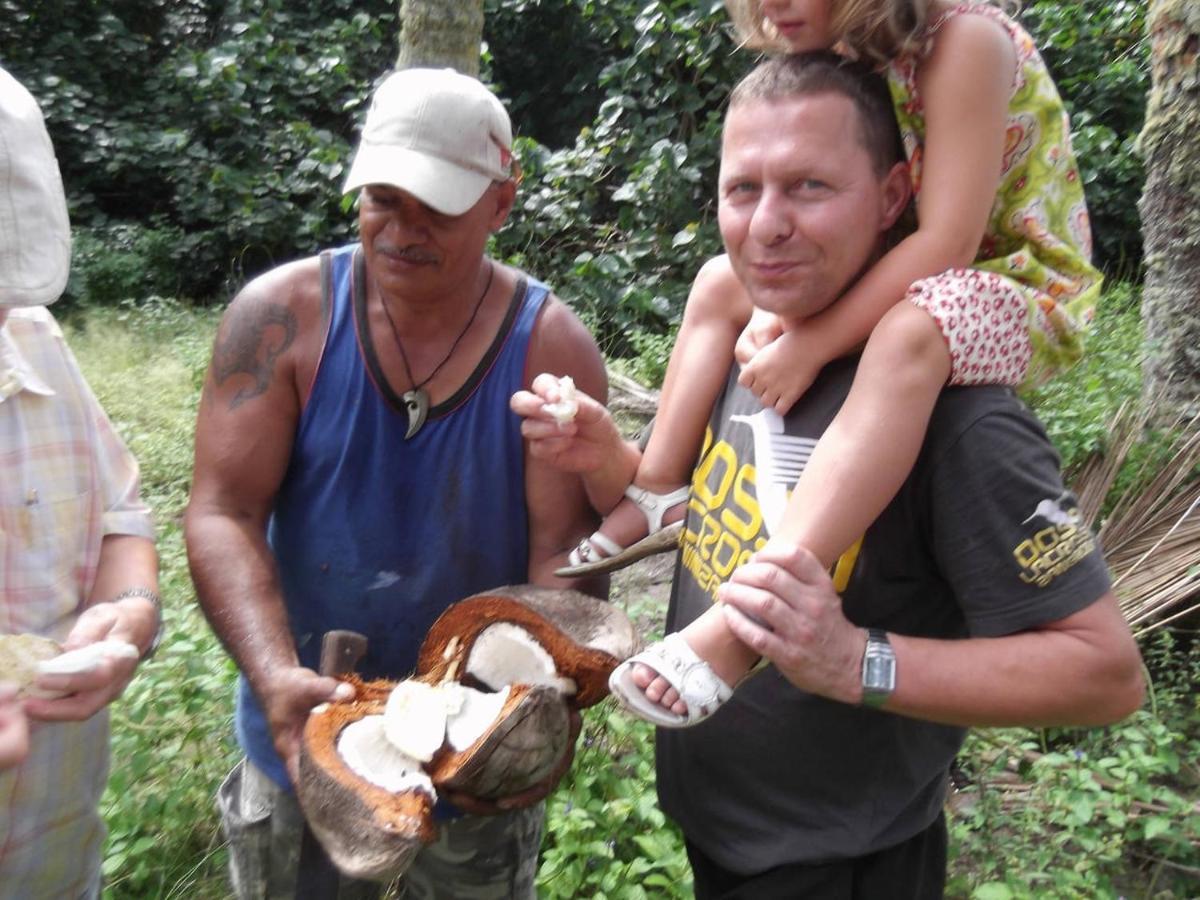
<point>474,857</point>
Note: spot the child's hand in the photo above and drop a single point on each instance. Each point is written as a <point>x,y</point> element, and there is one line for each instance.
<point>14,728</point>
<point>761,330</point>
<point>782,371</point>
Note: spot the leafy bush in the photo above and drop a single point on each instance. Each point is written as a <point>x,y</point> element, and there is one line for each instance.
<point>1077,406</point>
<point>227,123</point>
<point>125,261</point>
<point>621,220</point>
<point>1081,814</point>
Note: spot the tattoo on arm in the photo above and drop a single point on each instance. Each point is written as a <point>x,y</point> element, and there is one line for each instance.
<point>257,336</point>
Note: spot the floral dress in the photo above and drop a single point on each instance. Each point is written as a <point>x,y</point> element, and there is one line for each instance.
<point>1019,314</point>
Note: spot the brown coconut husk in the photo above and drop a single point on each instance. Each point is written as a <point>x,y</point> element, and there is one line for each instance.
<point>520,749</point>
<point>368,832</point>
<point>587,637</point>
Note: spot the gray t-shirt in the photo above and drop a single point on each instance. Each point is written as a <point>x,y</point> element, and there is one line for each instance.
<point>982,540</point>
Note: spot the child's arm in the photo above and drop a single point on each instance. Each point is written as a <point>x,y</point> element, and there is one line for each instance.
<point>965,84</point>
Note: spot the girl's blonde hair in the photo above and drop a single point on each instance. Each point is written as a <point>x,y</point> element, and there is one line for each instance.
<point>876,31</point>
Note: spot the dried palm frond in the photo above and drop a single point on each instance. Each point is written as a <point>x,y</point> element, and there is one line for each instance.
<point>1151,535</point>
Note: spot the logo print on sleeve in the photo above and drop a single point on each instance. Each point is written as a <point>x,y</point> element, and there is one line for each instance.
<point>1055,548</point>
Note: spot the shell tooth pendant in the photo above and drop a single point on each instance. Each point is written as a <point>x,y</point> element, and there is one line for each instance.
<point>416,404</point>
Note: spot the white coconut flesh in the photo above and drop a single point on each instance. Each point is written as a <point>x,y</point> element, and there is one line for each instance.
<point>369,754</point>
<point>414,720</point>
<point>504,654</point>
<point>87,658</point>
<point>420,718</point>
<point>564,409</point>
<point>477,710</point>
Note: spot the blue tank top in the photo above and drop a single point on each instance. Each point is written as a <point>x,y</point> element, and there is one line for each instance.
<point>379,534</point>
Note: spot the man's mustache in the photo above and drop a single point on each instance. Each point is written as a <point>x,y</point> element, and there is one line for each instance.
<point>406,254</point>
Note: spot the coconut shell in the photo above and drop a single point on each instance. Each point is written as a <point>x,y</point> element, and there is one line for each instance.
<point>521,748</point>
<point>368,832</point>
<point>19,658</point>
<point>586,637</point>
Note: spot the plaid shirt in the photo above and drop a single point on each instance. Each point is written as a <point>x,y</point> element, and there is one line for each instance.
<point>66,481</point>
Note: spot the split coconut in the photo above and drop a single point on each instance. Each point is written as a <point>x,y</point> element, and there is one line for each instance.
<point>488,714</point>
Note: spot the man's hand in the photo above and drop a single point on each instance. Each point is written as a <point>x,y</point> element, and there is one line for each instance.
<point>479,807</point>
<point>782,371</point>
<point>89,692</point>
<point>14,728</point>
<point>802,631</point>
<point>584,444</point>
<point>287,700</point>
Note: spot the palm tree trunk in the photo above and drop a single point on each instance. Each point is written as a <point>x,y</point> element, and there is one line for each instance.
<point>441,33</point>
<point>1170,205</point>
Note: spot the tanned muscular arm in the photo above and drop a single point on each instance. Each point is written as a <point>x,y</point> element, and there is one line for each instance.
<point>263,360</point>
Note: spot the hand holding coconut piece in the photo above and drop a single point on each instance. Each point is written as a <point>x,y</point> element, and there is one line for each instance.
<point>26,657</point>
<point>489,720</point>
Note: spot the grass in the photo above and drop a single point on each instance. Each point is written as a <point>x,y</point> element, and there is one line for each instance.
<point>1100,813</point>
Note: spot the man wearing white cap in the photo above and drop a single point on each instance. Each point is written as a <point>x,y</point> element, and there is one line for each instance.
<point>357,465</point>
<point>76,542</point>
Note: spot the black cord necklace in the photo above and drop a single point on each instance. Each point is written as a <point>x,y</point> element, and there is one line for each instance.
<point>416,398</point>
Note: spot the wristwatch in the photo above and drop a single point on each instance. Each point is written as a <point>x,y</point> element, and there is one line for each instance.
<point>878,669</point>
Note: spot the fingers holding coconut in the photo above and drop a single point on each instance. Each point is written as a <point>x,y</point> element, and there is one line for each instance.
<point>88,677</point>
<point>287,699</point>
<point>14,727</point>
<point>564,426</point>
<point>97,663</point>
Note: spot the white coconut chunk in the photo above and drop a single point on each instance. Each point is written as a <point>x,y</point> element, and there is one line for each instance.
<point>370,755</point>
<point>567,405</point>
<point>87,658</point>
<point>504,654</point>
<point>414,719</point>
<point>478,710</point>
<point>454,695</point>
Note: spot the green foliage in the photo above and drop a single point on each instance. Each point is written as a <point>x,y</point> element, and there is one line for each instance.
<point>621,220</point>
<point>124,261</point>
<point>1065,813</point>
<point>605,835</point>
<point>225,126</point>
<point>1077,406</point>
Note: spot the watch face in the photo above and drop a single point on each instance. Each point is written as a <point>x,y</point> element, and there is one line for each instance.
<point>879,672</point>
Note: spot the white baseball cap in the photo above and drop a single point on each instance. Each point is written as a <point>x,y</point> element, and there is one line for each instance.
<point>35,234</point>
<point>436,133</point>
